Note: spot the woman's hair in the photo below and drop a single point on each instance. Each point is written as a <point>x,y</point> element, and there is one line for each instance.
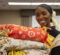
<point>55,51</point>
<point>50,10</point>
<point>52,13</point>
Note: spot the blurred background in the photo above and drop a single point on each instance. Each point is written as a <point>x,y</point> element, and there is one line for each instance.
<point>24,14</point>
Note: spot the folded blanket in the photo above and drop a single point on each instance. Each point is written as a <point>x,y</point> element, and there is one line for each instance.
<point>7,43</point>
<point>27,33</point>
<point>26,52</point>
<point>29,52</point>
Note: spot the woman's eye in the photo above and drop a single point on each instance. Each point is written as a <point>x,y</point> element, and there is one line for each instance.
<point>44,13</point>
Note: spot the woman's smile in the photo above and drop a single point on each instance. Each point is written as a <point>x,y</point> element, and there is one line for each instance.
<point>42,22</point>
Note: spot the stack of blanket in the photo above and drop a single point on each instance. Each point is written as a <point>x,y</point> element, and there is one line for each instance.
<point>29,40</point>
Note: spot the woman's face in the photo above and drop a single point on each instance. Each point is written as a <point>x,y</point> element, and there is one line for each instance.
<point>43,16</point>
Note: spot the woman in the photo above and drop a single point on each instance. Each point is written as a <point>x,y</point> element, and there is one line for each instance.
<point>44,15</point>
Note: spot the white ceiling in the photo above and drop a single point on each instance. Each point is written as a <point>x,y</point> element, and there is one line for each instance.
<point>4,4</point>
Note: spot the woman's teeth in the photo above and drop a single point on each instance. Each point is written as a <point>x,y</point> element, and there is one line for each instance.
<point>43,22</point>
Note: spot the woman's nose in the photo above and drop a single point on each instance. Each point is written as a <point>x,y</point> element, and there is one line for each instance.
<point>41,16</point>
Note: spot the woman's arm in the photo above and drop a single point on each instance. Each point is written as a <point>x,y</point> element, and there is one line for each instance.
<point>56,49</point>
<point>57,40</point>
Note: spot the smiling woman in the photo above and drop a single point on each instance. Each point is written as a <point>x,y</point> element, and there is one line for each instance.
<point>44,15</point>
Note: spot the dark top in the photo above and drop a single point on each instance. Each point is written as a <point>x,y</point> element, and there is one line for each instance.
<point>55,51</point>
<point>53,31</point>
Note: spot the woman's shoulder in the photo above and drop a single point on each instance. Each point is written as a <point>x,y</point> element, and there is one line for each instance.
<point>53,31</point>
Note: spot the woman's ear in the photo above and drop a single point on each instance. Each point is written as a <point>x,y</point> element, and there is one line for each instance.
<point>50,20</point>
<point>50,17</point>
